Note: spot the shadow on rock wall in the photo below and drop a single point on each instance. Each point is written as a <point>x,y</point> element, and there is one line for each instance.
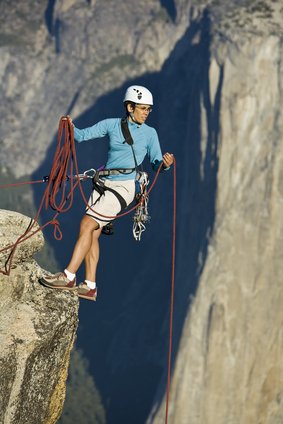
<point>125,334</point>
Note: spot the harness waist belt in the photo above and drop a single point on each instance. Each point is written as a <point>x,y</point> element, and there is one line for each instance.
<point>107,172</point>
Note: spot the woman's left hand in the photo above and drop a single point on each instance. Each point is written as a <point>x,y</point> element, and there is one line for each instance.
<point>168,159</point>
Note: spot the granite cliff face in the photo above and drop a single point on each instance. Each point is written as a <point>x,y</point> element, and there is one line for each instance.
<point>229,361</point>
<point>37,332</point>
<point>59,57</point>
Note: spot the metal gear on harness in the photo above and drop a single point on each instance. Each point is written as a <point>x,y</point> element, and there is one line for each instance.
<point>108,229</point>
<point>141,216</point>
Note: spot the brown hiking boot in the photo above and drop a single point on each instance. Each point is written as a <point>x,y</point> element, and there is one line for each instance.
<point>87,293</point>
<point>59,281</point>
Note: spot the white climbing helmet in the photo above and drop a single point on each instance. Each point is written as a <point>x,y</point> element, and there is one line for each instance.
<point>138,94</point>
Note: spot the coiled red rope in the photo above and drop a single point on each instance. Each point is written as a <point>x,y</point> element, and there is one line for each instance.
<point>57,197</point>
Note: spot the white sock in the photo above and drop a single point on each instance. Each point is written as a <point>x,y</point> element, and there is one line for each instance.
<point>69,274</point>
<point>91,284</point>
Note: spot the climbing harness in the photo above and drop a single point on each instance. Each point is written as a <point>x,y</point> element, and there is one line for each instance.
<point>56,196</point>
<point>100,173</point>
<point>101,188</point>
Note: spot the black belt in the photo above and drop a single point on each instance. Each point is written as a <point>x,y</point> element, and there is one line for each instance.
<point>115,171</point>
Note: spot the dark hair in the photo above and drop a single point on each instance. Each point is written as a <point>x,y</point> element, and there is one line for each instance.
<point>129,103</point>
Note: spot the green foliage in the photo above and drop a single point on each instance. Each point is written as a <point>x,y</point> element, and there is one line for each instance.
<point>83,402</point>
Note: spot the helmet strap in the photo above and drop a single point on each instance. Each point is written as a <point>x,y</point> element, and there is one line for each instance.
<point>131,114</point>
<point>133,118</point>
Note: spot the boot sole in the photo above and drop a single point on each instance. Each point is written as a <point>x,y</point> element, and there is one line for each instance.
<point>87,298</point>
<point>57,287</point>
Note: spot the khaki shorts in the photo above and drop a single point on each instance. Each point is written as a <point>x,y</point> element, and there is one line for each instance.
<point>108,203</point>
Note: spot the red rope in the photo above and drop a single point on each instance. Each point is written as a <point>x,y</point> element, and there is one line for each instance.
<point>21,183</point>
<point>172,291</point>
<point>55,194</point>
<point>57,183</point>
<point>64,162</point>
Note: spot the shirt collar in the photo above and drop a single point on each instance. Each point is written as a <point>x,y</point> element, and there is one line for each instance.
<point>134,124</point>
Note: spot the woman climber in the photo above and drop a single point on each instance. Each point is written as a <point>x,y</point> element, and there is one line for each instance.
<point>130,140</point>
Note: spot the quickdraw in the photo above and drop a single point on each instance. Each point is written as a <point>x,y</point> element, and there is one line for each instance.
<point>141,216</point>
<point>90,173</point>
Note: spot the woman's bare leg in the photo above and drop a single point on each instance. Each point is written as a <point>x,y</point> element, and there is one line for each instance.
<point>92,257</point>
<point>89,229</point>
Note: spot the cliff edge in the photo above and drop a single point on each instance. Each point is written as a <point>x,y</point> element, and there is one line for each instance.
<point>37,332</point>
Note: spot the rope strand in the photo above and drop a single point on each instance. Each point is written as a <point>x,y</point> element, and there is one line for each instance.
<point>55,194</point>
<point>21,183</point>
<point>174,221</point>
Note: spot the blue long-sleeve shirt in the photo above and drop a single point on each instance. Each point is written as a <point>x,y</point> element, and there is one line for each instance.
<point>120,154</point>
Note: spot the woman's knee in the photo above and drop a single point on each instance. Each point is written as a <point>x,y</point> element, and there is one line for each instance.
<point>88,224</point>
